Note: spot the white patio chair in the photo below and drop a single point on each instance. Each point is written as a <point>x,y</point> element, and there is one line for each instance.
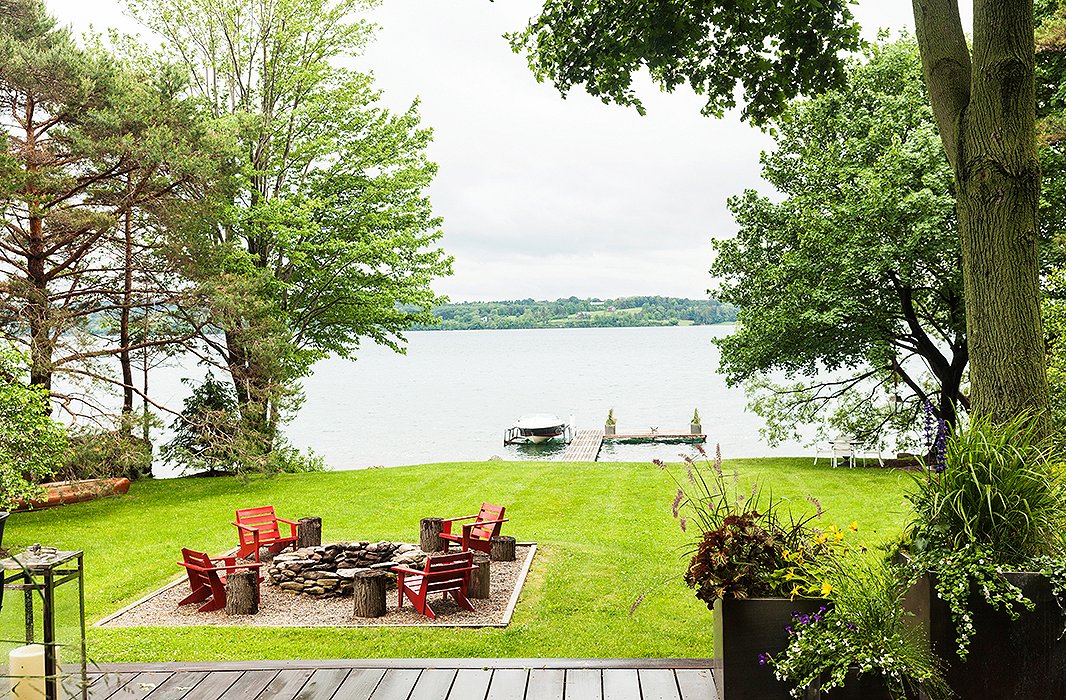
<point>840,446</point>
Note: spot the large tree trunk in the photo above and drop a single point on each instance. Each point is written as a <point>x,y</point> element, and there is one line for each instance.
<point>985,109</point>
<point>125,361</point>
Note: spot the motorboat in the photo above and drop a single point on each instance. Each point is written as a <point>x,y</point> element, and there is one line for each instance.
<point>537,428</point>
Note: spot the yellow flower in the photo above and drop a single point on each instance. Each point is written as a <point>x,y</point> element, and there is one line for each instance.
<point>826,588</point>
<point>838,537</point>
<point>795,591</point>
<point>789,575</point>
<point>854,527</point>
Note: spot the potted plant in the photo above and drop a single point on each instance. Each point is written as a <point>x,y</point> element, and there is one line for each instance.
<point>742,565</point>
<point>861,648</point>
<point>609,424</point>
<point>985,553</point>
<point>695,428</point>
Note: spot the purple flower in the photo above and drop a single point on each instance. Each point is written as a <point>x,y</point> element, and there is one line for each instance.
<point>763,658</point>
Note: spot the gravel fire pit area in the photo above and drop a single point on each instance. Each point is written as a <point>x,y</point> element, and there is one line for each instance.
<point>329,570</point>
<point>312,588</point>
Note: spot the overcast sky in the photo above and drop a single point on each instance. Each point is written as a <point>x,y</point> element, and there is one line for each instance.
<point>544,197</point>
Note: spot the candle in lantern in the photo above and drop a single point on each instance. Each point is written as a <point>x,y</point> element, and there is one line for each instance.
<point>26,666</point>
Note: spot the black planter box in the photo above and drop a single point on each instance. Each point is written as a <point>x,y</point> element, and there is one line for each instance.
<point>1019,659</point>
<point>745,628</point>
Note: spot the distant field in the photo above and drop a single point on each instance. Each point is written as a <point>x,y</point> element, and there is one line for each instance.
<point>605,532</point>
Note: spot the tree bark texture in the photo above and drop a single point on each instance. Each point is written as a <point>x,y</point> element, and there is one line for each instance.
<point>429,535</point>
<point>986,111</point>
<point>480,578</point>
<point>502,548</point>
<point>309,533</point>
<point>368,593</point>
<point>242,592</point>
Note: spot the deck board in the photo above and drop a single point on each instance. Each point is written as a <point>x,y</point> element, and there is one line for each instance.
<point>696,684</point>
<point>285,685</point>
<point>359,684</point>
<point>470,684</point>
<point>433,684</point>
<point>411,679</point>
<point>546,683</point>
<point>508,684</point>
<point>621,684</point>
<point>178,686</point>
<point>249,685</point>
<point>397,684</point>
<point>323,684</point>
<point>658,684</point>
<point>141,685</point>
<point>585,683</point>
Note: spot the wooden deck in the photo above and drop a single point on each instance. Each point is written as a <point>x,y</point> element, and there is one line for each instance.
<point>585,447</point>
<point>410,679</point>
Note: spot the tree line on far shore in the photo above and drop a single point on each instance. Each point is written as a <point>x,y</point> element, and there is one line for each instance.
<point>572,312</point>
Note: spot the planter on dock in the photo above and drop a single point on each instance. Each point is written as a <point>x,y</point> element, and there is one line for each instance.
<point>1023,658</point>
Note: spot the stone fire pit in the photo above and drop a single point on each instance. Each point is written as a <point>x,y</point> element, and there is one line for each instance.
<point>328,570</point>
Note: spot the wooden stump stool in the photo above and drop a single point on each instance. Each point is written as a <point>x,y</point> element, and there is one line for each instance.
<point>429,535</point>
<point>242,592</point>
<point>502,548</point>
<point>309,533</point>
<point>368,593</point>
<point>479,577</point>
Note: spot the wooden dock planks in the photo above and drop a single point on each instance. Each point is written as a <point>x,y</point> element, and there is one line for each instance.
<point>585,447</point>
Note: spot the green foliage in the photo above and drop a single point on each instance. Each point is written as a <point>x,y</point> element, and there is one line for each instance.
<point>1002,488</point>
<point>114,452</point>
<point>210,437</point>
<point>999,504</point>
<point>207,432</point>
<point>610,418</point>
<point>747,542</point>
<point>328,237</point>
<point>579,313</point>
<point>32,445</point>
<point>773,51</point>
<point>863,631</point>
<point>854,273</point>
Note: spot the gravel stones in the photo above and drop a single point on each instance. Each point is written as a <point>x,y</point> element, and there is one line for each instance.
<point>328,570</point>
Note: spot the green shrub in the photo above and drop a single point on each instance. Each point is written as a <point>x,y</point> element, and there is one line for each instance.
<point>32,445</point>
<point>99,454</point>
<point>998,504</point>
<point>864,630</point>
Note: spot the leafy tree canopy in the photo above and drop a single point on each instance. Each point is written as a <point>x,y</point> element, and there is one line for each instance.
<point>855,272</point>
<point>772,50</point>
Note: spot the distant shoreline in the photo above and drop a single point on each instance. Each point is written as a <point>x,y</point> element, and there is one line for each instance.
<point>571,312</point>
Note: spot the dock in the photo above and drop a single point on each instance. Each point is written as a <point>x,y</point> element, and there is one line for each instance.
<point>669,438</point>
<point>585,447</point>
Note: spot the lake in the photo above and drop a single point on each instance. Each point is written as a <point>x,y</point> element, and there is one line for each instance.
<point>454,393</point>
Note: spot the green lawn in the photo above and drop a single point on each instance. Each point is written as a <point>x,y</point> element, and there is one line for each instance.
<point>604,531</point>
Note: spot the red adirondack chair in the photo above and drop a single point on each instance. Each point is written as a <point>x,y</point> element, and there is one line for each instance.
<point>258,527</point>
<point>207,578</point>
<point>478,534</point>
<point>445,573</point>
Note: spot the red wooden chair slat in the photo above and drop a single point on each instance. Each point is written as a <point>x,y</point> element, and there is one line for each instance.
<point>448,574</point>
<point>478,534</point>
<point>207,578</point>
<point>258,527</point>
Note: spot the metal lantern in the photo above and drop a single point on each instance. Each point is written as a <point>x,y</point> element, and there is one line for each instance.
<point>38,572</point>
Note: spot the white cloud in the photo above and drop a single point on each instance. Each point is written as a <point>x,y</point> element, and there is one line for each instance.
<point>545,197</point>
